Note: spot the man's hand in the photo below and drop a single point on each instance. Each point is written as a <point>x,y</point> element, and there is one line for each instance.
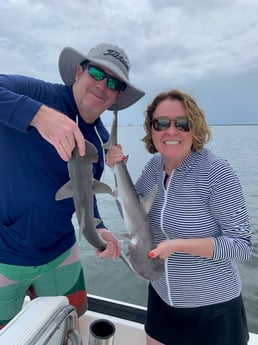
<point>113,247</point>
<point>60,131</point>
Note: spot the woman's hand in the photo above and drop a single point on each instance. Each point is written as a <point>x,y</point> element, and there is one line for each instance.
<point>163,250</point>
<point>203,247</point>
<point>114,155</point>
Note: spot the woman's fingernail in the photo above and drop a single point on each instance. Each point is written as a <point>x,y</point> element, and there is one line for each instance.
<point>151,254</point>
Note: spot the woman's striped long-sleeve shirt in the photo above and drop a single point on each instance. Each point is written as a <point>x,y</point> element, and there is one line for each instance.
<point>203,199</point>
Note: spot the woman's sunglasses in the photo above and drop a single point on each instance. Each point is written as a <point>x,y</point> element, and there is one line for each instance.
<point>112,82</point>
<point>162,123</point>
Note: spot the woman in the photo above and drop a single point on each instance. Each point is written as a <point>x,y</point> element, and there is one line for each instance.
<point>200,226</point>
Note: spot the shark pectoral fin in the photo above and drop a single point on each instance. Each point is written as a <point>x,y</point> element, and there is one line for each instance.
<point>100,187</point>
<point>148,200</point>
<point>66,191</point>
<point>124,235</point>
<point>120,209</point>
<point>126,261</point>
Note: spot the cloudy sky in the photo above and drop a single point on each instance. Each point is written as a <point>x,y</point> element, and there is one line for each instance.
<point>208,48</point>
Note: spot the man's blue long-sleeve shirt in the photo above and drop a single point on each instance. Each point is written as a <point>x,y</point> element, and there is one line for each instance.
<point>34,227</point>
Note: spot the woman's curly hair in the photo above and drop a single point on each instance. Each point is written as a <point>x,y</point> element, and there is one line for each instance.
<point>196,117</point>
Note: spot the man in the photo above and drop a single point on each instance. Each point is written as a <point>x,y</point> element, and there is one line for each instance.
<point>40,125</point>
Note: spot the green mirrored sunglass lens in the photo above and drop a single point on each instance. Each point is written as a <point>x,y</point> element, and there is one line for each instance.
<point>112,84</point>
<point>97,74</point>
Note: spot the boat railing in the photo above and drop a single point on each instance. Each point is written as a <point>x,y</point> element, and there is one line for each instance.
<point>44,321</point>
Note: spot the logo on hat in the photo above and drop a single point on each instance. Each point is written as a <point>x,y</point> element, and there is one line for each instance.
<point>118,56</point>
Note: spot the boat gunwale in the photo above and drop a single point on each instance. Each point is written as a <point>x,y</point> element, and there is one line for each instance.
<point>121,310</point>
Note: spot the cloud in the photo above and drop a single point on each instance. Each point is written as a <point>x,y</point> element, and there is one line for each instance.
<point>209,48</point>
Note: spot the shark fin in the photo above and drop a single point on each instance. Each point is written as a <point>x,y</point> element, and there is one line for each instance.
<point>120,209</point>
<point>148,200</point>
<point>124,235</point>
<point>64,192</point>
<point>112,141</point>
<point>100,187</point>
<point>126,261</point>
<point>114,193</point>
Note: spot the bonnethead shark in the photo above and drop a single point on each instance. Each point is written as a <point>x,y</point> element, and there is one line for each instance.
<point>134,211</point>
<point>82,187</point>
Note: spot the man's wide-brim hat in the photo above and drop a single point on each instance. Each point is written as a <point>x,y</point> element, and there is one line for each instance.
<point>105,55</point>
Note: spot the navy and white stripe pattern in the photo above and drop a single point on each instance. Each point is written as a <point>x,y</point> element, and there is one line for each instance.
<point>204,198</point>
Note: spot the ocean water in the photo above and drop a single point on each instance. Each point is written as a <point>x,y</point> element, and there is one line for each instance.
<point>112,278</point>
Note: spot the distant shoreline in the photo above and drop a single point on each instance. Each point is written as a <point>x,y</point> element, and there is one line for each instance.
<point>210,124</point>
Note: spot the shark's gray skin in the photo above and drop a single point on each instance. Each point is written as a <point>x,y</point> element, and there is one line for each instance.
<point>81,187</point>
<point>135,211</point>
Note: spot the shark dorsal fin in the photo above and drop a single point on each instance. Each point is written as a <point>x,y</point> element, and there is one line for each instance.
<point>148,200</point>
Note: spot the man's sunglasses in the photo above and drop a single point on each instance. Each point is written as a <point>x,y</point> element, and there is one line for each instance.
<point>162,123</point>
<point>112,82</point>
